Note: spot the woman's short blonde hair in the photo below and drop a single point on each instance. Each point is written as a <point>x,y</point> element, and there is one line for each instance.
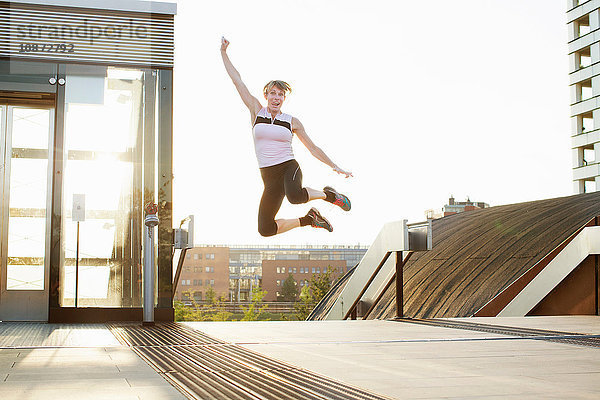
<point>278,84</point>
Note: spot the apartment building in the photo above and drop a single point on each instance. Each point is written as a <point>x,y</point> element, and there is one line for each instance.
<point>583,21</point>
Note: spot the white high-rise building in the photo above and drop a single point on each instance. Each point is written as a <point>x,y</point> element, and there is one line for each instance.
<point>583,17</point>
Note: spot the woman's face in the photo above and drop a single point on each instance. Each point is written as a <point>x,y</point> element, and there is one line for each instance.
<point>275,98</point>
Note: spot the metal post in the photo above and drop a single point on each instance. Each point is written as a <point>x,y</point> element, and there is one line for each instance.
<point>77,267</point>
<point>399,285</point>
<point>148,277</point>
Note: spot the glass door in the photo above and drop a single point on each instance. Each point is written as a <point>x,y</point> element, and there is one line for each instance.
<point>25,152</point>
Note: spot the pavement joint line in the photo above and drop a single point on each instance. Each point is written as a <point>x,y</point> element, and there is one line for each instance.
<point>59,347</point>
<point>533,337</point>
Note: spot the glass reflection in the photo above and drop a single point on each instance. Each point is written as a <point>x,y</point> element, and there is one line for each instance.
<point>26,163</point>
<point>103,146</point>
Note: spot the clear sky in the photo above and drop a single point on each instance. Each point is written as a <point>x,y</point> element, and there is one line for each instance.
<point>419,99</point>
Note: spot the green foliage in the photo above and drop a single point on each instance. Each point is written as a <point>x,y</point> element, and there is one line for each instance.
<point>320,284</point>
<point>256,309</point>
<point>212,310</point>
<point>211,296</point>
<point>305,305</point>
<point>289,290</point>
<point>310,295</point>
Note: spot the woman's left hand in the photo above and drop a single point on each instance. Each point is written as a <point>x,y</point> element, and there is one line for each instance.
<point>342,172</point>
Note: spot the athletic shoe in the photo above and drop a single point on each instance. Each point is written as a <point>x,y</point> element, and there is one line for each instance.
<point>341,200</point>
<point>317,220</point>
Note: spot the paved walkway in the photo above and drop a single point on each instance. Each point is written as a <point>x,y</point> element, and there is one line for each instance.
<point>79,362</point>
<point>408,361</point>
<point>400,360</point>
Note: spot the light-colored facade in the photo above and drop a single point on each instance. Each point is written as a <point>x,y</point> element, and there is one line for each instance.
<point>583,18</point>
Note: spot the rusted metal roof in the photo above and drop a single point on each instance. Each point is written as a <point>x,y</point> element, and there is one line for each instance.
<point>477,254</point>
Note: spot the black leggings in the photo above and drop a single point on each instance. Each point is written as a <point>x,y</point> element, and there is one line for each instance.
<point>281,180</point>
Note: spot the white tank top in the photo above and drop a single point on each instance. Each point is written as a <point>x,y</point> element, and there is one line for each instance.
<point>272,138</point>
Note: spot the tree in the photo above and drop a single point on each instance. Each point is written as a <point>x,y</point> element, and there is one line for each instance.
<point>212,310</point>
<point>256,308</point>
<point>310,295</point>
<point>289,291</point>
<point>320,284</point>
<point>305,305</point>
<point>211,295</point>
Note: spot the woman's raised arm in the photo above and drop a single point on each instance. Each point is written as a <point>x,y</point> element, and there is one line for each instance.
<point>250,101</point>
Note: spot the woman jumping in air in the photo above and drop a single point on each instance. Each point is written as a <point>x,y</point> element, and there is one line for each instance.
<point>281,174</point>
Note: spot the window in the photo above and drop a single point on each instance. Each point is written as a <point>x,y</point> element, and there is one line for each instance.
<point>207,269</point>
<point>210,256</point>
<point>212,269</point>
<point>212,282</point>
<point>188,255</point>
<point>196,256</point>
<point>278,282</point>
<point>195,282</point>
<point>207,282</point>
<point>301,283</point>
<point>295,269</point>
<point>583,57</point>
<point>582,26</point>
<point>318,270</point>
<point>589,186</point>
<point>313,270</point>
<point>289,270</point>
<point>182,282</point>
<point>199,282</point>
<point>589,156</point>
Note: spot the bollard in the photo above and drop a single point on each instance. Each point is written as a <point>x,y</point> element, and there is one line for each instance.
<point>150,222</point>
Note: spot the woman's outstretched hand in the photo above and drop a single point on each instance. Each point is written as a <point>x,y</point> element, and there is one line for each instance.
<point>224,43</point>
<point>342,172</point>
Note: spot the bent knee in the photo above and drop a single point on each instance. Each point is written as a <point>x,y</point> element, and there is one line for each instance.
<point>267,230</point>
<point>300,197</point>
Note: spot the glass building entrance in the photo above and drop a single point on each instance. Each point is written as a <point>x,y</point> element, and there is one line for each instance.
<point>92,124</point>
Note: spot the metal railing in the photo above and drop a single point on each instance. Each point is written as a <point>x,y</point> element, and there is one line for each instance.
<point>376,272</point>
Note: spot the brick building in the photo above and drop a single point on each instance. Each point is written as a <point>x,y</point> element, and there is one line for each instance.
<point>455,207</point>
<point>203,268</point>
<point>232,271</point>
<point>275,272</point>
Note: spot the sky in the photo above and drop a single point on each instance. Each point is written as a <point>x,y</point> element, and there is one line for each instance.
<point>420,100</point>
